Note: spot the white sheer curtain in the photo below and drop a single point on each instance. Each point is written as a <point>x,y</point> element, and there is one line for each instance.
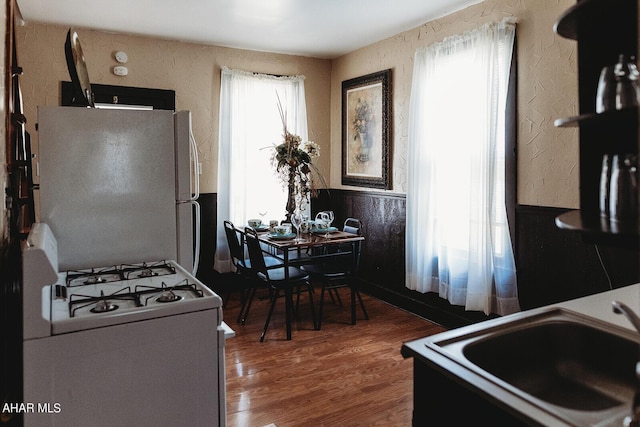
<point>250,125</point>
<point>457,241</point>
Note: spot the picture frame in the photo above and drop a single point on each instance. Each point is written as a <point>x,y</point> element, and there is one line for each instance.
<point>366,121</point>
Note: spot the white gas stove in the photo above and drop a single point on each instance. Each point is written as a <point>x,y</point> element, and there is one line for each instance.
<point>98,297</point>
<point>112,345</point>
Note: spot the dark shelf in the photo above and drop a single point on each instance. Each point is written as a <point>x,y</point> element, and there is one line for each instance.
<point>586,15</point>
<point>601,229</point>
<point>604,29</point>
<point>626,116</point>
<point>572,122</point>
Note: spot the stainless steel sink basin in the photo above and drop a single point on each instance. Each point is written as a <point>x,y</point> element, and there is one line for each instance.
<point>575,367</point>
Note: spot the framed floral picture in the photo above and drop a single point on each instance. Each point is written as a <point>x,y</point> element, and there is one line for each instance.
<point>366,130</point>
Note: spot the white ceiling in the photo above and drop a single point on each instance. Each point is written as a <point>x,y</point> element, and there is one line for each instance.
<point>317,28</point>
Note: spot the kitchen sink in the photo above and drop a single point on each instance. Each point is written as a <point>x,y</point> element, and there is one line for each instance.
<point>575,367</point>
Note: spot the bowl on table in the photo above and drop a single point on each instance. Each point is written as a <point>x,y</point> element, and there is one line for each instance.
<point>282,230</point>
<point>320,226</point>
<point>323,227</point>
<point>254,223</point>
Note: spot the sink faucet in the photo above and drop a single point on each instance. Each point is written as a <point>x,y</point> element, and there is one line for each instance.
<point>621,308</point>
<point>632,420</point>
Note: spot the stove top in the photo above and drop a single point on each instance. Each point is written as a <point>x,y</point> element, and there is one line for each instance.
<point>118,273</point>
<point>97,297</point>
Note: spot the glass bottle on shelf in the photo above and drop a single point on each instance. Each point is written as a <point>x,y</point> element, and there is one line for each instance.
<point>627,90</point>
<point>623,193</point>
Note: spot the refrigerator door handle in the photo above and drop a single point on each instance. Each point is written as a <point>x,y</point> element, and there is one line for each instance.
<point>196,254</point>
<point>189,234</point>
<point>195,175</point>
<point>195,194</point>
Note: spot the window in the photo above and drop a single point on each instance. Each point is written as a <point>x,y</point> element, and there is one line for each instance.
<point>250,126</point>
<point>458,241</point>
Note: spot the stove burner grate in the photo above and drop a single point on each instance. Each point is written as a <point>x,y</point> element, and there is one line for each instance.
<point>136,271</point>
<point>168,296</point>
<point>167,293</point>
<point>117,273</point>
<point>93,276</point>
<point>155,291</point>
<point>103,306</point>
<point>100,304</point>
<point>93,280</point>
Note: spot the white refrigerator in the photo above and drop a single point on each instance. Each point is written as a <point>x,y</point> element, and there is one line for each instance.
<point>117,194</point>
<point>119,186</point>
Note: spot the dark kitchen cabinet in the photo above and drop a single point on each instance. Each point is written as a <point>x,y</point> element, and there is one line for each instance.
<point>438,383</point>
<point>603,29</point>
<point>16,217</point>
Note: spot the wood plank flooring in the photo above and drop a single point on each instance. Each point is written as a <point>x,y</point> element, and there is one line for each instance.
<point>341,375</point>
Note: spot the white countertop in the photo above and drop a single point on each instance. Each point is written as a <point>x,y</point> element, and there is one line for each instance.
<point>599,305</point>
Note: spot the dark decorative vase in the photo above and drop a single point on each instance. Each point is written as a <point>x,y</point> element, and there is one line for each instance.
<point>291,197</point>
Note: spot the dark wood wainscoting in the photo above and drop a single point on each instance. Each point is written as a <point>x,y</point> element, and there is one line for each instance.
<point>553,265</point>
<point>383,216</point>
<point>556,265</point>
<point>382,268</point>
<point>208,218</point>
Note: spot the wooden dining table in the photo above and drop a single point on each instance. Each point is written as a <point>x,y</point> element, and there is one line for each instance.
<point>309,248</point>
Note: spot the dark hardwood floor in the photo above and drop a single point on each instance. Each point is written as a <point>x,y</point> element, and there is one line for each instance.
<point>341,375</point>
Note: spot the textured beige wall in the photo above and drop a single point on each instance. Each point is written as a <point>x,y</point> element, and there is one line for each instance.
<point>547,90</point>
<point>192,70</point>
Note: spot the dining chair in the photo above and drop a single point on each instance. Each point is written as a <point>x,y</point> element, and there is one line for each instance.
<point>247,282</point>
<point>282,282</point>
<point>339,271</point>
